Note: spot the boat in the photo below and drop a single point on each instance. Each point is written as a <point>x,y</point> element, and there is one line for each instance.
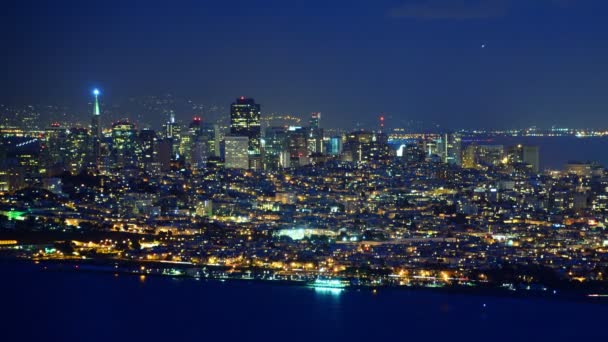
<point>330,283</point>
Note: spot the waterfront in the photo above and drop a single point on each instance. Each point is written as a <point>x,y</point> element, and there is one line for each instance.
<point>554,152</point>
<point>102,306</point>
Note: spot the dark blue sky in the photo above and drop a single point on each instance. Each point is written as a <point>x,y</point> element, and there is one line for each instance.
<point>544,62</point>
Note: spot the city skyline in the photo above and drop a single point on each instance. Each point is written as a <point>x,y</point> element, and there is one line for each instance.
<point>492,64</point>
<point>304,170</point>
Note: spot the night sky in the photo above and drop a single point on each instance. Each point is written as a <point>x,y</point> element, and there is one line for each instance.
<point>544,62</point>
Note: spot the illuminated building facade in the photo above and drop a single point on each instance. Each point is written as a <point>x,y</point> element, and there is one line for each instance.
<point>123,152</point>
<point>236,154</point>
<point>95,132</point>
<point>77,149</point>
<point>449,148</point>
<point>245,122</point>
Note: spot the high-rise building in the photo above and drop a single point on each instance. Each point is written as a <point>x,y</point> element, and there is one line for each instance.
<point>173,134</point>
<point>148,151</point>
<point>124,145</point>
<point>315,120</point>
<point>479,156</point>
<point>55,138</point>
<point>449,146</point>
<point>210,133</point>
<point>276,154</point>
<point>315,135</point>
<point>531,157</point>
<point>245,122</point>
<point>521,154</point>
<point>469,157</point>
<point>363,146</point>
<point>297,145</point>
<point>95,132</point>
<point>490,155</point>
<point>334,146</point>
<point>77,149</point>
<point>236,154</point>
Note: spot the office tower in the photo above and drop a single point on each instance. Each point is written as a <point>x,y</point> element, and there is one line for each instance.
<point>315,135</point>
<point>123,151</point>
<point>210,134</point>
<point>77,148</point>
<point>172,132</point>
<point>95,132</point>
<point>245,122</point>
<point>55,138</point>
<point>297,145</point>
<point>363,146</point>
<point>236,152</point>
<point>449,148</point>
<point>531,157</point>
<point>520,154</point>
<point>315,120</point>
<point>164,154</point>
<point>190,144</point>
<point>469,157</point>
<point>490,155</point>
<point>276,154</point>
<point>148,151</point>
<point>334,146</point>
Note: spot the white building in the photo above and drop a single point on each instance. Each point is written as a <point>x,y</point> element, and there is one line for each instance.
<point>236,154</point>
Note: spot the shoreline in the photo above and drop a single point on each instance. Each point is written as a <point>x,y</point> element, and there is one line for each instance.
<point>73,266</point>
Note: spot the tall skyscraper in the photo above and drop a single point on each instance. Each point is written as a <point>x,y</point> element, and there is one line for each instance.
<point>450,148</point>
<point>147,150</point>
<point>245,122</point>
<point>77,146</point>
<point>276,153</point>
<point>124,145</point>
<point>236,154</point>
<point>55,137</point>
<point>315,135</point>
<point>95,132</point>
<point>315,120</point>
<point>173,134</point>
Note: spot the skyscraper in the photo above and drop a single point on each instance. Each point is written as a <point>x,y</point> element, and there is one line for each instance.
<point>245,122</point>
<point>95,132</point>
<point>334,146</point>
<point>173,134</point>
<point>315,136</point>
<point>124,145</point>
<point>450,148</point>
<point>531,157</point>
<point>147,150</point>
<point>315,120</point>
<point>236,152</point>
<point>276,153</point>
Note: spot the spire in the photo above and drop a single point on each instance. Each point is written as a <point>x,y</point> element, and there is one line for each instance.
<point>96,106</point>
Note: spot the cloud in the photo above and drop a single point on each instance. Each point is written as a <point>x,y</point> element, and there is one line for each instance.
<point>461,9</point>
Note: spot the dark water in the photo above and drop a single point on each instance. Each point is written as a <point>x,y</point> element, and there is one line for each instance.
<point>79,306</point>
<point>557,151</point>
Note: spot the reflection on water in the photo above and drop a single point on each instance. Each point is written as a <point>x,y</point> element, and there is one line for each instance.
<point>328,291</point>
